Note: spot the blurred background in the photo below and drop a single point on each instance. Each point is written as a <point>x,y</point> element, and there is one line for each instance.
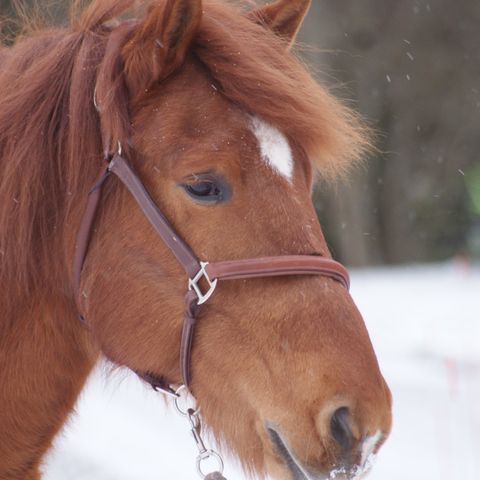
<point>412,68</point>
<point>407,221</point>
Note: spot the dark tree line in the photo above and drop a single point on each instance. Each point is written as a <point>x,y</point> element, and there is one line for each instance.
<point>413,70</point>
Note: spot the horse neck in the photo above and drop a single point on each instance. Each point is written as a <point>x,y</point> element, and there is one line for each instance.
<point>45,357</point>
<point>46,353</point>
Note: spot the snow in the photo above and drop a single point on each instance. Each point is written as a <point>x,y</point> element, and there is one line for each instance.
<point>425,325</point>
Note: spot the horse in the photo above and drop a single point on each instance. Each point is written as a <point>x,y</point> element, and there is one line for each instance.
<point>202,105</point>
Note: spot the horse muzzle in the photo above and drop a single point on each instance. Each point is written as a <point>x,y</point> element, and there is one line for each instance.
<point>349,458</point>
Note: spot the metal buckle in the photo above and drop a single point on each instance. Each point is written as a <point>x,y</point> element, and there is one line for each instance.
<point>193,284</point>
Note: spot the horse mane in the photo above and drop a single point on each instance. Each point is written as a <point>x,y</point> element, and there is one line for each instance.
<point>50,141</point>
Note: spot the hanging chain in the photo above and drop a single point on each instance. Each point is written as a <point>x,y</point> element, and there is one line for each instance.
<point>182,398</point>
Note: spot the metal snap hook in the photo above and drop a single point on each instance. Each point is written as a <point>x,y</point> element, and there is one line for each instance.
<point>186,405</point>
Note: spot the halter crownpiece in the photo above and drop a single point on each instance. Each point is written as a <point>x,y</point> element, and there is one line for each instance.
<point>196,270</point>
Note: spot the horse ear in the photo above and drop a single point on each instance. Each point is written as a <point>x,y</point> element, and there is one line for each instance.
<point>284,17</point>
<point>159,44</point>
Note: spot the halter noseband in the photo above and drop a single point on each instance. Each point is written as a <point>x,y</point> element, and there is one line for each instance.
<point>209,274</point>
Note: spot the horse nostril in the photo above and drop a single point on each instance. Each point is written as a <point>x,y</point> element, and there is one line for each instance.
<point>340,428</point>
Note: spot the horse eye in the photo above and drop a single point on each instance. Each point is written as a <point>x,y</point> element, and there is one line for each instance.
<point>203,189</point>
<point>206,190</point>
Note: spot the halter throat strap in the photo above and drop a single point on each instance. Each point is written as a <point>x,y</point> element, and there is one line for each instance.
<point>203,277</point>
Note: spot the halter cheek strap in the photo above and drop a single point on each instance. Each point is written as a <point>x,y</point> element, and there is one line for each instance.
<point>203,277</point>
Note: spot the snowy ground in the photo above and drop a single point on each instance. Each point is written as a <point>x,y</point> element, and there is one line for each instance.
<point>425,325</point>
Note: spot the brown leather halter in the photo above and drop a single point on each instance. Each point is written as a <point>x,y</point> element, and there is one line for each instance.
<point>209,274</point>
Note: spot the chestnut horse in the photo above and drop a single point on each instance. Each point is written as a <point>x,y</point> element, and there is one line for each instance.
<point>227,130</point>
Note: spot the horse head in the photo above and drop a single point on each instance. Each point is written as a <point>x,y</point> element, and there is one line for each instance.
<point>228,132</point>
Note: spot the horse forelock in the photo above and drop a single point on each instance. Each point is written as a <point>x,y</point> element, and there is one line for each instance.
<point>256,71</point>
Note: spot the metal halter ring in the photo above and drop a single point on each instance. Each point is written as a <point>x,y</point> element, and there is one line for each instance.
<point>193,284</point>
<point>207,455</point>
<point>187,411</point>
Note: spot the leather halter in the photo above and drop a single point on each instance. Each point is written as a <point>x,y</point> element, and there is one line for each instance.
<point>209,274</point>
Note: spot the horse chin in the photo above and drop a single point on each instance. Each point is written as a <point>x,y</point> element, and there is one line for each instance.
<point>292,468</point>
